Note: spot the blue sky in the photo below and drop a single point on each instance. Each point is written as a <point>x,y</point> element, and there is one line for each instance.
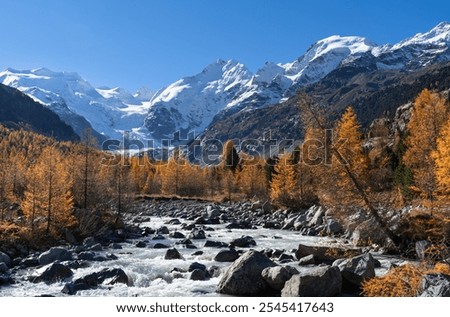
<point>132,43</point>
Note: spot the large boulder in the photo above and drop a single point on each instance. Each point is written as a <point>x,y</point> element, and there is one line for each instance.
<point>55,254</point>
<point>198,275</point>
<point>212,212</point>
<point>196,266</point>
<point>307,260</point>
<point>333,227</point>
<point>53,273</point>
<point>324,253</point>
<point>114,276</point>
<point>243,277</point>
<point>197,234</point>
<point>435,285</point>
<point>243,242</point>
<point>358,269</point>
<point>215,244</point>
<point>277,276</point>
<point>93,280</point>
<point>3,268</point>
<point>172,254</point>
<point>4,258</point>
<point>6,279</point>
<point>226,256</point>
<point>317,219</point>
<point>320,282</point>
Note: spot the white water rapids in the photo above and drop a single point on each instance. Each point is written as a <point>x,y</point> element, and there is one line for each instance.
<point>150,272</point>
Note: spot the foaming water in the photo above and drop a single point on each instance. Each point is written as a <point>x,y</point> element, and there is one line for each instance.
<point>151,273</point>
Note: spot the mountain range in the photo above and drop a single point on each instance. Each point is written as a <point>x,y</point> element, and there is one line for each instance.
<point>227,100</point>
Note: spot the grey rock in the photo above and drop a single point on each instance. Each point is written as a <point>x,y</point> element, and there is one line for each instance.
<point>3,268</point>
<point>435,285</point>
<point>96,247</point>
<point>226,256</point>
<point>323,253</point>
<point>86,256</point>
<point>333,227</point>
<point>162,230</point>
<point>213,212</point>
<point>89,241</point>
<point>421,247</point>
<point>140,244</point>
<point>307,260</point>
<point>243,242</point>
<point>177,235</point>
<point>243,277</point>
<point>358,269</point>
<point>55,272</point>
<point>256,205</point>
<point>198,275</point>
<point>322,282</point>
<point>197,234</point>
<point>267,207</point>
<point>277,276</point>
<point>196,266</point>
<point>215,244</point>
<point>317,219</point>
<point>115,276</point>
<point>4,258</point>
<point>54,254</point>
<point>172,254</point>
<point>158,237</point>
<point>160,246</point>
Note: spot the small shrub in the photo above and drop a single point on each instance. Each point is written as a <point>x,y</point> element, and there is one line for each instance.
<point>402,281</point>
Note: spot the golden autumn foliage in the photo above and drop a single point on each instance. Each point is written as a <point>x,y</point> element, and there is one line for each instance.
<point>252,178</point>
<point>441,158</point>
<point>348,142</point>
<point>401,281</point>
<point>428,116</point>
<point>284,187</point>
<point>48,194</point>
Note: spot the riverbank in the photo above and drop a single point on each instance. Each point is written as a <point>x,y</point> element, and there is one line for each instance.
<point>187,247</point>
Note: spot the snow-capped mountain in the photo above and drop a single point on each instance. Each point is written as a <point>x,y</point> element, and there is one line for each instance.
<point>223,88</point>
<point>191,103</point>
<point>109,112</point>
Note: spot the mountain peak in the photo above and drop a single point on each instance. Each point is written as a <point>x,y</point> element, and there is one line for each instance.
<point>355,44</point>
<point>439,35</point>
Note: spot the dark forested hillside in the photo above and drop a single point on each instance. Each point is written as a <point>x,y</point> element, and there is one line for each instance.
<point>19,111</point>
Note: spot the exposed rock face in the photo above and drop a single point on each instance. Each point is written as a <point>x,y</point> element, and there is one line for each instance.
<point>243,277</point>
<point>322,282</point>
<point>357,269</point>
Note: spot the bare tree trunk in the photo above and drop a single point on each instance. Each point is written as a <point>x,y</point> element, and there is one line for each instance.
<point>306,105</point>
